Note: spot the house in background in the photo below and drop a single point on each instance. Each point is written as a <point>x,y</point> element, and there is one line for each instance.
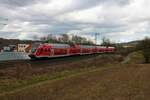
<point>13,48</point>
<point>6,49</point>
<point>9,48</point>
<point>24,48</point>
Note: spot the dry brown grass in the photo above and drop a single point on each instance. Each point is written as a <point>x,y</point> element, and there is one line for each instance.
<point>119,82</point>
<point>26,74</point>
<point>25,70</point>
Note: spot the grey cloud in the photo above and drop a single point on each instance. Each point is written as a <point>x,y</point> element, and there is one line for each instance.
<point>9,34</point>
<point>42,23</point>
<point>17,3</point>
<point>86,4</point>
<point>117,2</point>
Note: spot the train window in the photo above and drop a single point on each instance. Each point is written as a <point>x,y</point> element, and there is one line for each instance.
<point>34,47</point>
<point>61,46</point>
<point>86,46</point>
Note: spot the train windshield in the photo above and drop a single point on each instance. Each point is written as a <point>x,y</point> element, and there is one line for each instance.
<point>34,47</point>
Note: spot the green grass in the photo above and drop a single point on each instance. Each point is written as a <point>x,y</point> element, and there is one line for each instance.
<point>116,82</point>
<point>134,58</point>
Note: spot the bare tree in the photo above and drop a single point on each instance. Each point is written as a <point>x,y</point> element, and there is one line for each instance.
<point>106,42</point>
<point>65,38</point>
<point>81,40</point>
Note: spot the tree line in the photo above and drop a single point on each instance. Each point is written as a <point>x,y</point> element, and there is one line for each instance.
<point>144,47</point>
<point>65,38</point>
<point>74,39</point>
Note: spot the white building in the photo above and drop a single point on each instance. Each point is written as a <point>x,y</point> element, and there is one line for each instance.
<point>6,49</point>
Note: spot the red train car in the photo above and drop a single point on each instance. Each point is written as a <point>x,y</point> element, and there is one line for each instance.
<point>50,50</point>
<point>74,50</point>
<point>86,49</point>
<point>57,50</point>
<point>110,49</point>
<point>101,49</point>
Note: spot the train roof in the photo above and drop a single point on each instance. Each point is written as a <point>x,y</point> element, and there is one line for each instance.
<point>111,47</point>
<point>55,45</point>
<point>60,45</point>
<point>101,46</point>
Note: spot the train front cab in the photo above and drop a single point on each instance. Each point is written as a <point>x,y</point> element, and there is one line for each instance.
<point>53,50</point>
<point>34,48</point>
<point>42,51</point>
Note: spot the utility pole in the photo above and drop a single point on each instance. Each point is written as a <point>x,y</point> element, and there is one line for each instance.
<point>95,58</point>
<point>96,35</point>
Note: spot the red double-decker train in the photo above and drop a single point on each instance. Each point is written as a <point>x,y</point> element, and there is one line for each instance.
<point>58,50</point>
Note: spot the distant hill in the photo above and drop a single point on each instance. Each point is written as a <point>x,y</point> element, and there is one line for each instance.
<point>132,43</point>
<point>6,42</point>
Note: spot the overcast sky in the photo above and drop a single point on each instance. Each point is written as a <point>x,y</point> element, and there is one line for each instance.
<point>119,20</point>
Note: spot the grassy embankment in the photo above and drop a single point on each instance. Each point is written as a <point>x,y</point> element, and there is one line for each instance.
<point>107,83</point>
<point>23,75</point>
<point>134,58</point>
<point>94,81</point>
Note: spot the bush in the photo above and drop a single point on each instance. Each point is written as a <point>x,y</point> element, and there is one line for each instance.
<point>144,46</point>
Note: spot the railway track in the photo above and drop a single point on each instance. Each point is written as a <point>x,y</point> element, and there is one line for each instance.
<point>45,62</point>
